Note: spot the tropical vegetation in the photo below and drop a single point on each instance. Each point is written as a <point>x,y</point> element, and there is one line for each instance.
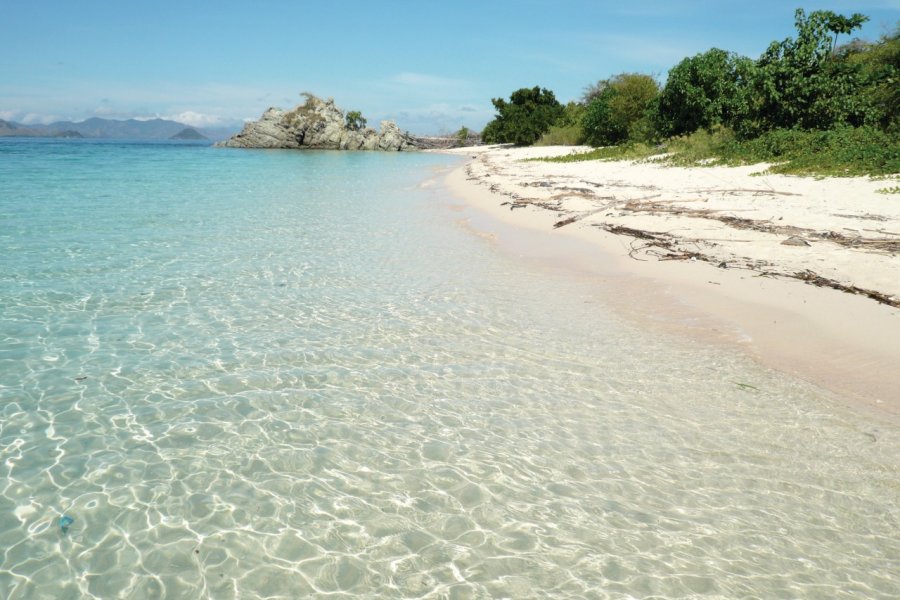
<point>529,113</point>
<point>808,104</point>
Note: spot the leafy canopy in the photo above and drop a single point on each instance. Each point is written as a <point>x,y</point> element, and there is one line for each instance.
<point>619,109</point>
<point>703,91</point>
<point>354,120</point>
<point>529,113</point>
<point>797,82</point>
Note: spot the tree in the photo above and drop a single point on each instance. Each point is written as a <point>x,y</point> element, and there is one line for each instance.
<point>703,91</point>
<point>798,83</point>
<point>529,113</point>
<point>619,109</point>
<point>355,121</point>
<point>879,64</point>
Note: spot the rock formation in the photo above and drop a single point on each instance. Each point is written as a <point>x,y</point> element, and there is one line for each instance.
<point>318,124</point>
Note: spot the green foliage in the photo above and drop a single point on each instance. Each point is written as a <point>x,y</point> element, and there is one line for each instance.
<point>798,83</point>
<point>567,130</point>
<point>619,110</point>
<point>521,121</point>
<point>561,135</point>
<point>354,120</point>
<point>572,115</point>
<point>806,106</point>
<point>702,147</point>
<point>598,125</point>
<point>879,66</point>
<point>462,135</point>
<point>702,91</point>
<point>842,152</point>
<point>635,151</point>
<point>889,190</point>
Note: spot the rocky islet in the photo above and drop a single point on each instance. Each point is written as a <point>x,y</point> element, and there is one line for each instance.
<point>318,125</point>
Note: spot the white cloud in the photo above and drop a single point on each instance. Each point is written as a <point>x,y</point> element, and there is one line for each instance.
<point>442,117</point>
<point>196,119</point>
<point>105,111</point>
<point>38,118</point>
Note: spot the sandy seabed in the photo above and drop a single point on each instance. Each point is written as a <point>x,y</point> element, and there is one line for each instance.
<point>802,273</point>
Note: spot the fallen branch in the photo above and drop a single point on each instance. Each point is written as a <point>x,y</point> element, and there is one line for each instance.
<point>669,244</point>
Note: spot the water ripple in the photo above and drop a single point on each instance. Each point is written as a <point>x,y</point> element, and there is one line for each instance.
<point>327,389</point>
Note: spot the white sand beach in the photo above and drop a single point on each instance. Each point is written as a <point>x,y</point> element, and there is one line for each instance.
<point>803,273</point>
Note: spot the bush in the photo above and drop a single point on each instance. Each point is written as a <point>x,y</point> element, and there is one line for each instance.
<point>703,91</point>
<point>567,130</point>
<point>799,83</point>
<point>521,121</point>
<point>879,65</point>
<point>608,153</point>
<point>355,121</point>
<point>700,146</point>
<point>562,135</point>
<point>620,110</point>
<point>844,151</point>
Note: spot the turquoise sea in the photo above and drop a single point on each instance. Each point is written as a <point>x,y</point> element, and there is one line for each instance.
<point>275,374</point>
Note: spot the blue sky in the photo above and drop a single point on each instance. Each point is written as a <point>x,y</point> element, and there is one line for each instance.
<point>431,65</point>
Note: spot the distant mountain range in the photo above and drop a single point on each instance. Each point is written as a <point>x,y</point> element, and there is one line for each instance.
<point>153,129</point>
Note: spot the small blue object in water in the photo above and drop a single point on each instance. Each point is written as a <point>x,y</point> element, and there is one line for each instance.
<point>64,522</point>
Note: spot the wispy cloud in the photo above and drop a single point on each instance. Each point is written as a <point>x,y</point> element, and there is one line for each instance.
<point>39,118</point>
<point>442,117</point>
<point>206,105</point>
<point>196,119</point>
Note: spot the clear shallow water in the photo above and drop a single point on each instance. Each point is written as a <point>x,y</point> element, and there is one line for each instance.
<point>280,374</point>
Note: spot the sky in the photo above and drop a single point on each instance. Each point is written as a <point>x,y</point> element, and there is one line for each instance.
<point>431,65</point>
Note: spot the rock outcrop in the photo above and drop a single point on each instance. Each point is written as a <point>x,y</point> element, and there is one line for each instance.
<point>319,124</point>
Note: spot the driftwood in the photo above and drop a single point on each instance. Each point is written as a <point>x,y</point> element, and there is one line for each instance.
<point>668,243</point>
<point>665,246</point>
<point>817,280</point>
<point>882,244</point>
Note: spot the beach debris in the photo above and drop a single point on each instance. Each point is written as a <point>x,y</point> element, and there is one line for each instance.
<point>745,386</point>
<point>884,245</point>
<point>865,216</point>
<point>565,222</point>
<point>670,250</point>
<point>65,522</point>
<point>817,280</point>
<point>515,205</point>
<point>795,241</point>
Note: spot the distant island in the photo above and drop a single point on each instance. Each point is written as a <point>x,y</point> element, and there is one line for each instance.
<point>152,129</point>
<point>188,133</point>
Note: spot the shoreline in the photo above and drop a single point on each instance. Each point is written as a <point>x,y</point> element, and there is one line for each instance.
<point>844,343</point>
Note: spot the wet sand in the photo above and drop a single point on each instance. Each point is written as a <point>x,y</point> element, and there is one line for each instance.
<point>700,252</point>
